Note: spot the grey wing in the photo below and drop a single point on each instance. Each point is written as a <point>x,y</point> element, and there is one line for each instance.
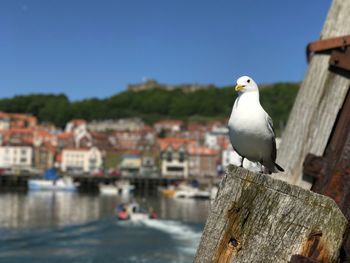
<point>273,140</point>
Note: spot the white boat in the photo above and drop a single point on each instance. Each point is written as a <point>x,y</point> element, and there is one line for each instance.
<point>62,184</point>
<point>124,187</point>
<point>202,195</point>
<point>121,187</point>
<point>108,189</point>
<point>187,191</point>
<point>134,212</point>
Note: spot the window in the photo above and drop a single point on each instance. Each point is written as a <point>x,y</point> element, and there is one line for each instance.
<point>181,156</point>
<point>175,169</point>
<point>169,156</point>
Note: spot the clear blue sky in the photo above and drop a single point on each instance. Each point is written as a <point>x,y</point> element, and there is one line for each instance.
<point>95,48</point>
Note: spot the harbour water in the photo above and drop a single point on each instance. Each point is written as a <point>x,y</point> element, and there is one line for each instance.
<point>72,227</point>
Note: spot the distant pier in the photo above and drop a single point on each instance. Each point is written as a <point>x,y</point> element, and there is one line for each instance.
<point>144,185</point>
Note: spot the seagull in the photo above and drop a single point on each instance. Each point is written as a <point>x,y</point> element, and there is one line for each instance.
<point>251,129</point>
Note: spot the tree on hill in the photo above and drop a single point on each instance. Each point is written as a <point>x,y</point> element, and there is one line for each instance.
<point>152,105</point>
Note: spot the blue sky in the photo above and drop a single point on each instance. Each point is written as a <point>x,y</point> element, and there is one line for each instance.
<point>94,48</point>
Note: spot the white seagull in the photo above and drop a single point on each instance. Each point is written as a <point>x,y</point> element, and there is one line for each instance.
<point>250,128</point>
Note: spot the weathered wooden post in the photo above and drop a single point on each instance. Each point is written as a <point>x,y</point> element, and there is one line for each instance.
<point>255,218</point>
<point>320,99</point>
<point>315,149</point>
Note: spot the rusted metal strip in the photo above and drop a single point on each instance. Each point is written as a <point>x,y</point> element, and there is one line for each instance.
<point>331,172</point>
<point>314,166</point>
<point>301,259</point>
<point>326,45</point>
<point>340,59</point>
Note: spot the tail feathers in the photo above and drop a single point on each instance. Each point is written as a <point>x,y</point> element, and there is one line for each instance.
<point>279,168</point>
<point>272,167</point>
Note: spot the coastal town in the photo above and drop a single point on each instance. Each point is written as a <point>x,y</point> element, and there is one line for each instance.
<point>123,147</point>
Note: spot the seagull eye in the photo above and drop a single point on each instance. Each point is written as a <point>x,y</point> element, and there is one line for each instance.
<point>248,80</point>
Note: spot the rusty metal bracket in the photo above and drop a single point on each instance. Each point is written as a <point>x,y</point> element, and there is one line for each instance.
<point>301,259</point>
<point>337,47</point>
<point>340,59</point>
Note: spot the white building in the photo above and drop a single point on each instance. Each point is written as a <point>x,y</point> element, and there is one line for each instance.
<point>81,160</point>
<point>170,126</point>
<point>215,136</point>
<point>128,124</point>
<point>4,123</point>
<point>16,157</point>
<point>174,162</point>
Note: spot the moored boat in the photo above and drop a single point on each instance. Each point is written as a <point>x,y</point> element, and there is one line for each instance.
<point>51,182</point>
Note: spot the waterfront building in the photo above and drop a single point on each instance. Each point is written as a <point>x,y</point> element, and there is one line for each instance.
<point>16,157</point>
<point>202,161</point>
<point>44,156</point>
<point>81,160</point>
<point>130,164</point>
<point>174,156</point>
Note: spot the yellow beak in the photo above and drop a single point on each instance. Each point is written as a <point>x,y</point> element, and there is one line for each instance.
<point>239,88</point>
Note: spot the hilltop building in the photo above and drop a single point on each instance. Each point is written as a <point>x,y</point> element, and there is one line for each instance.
<point>153,84</point>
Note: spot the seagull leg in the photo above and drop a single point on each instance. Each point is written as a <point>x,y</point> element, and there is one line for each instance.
<point>242,162</point>
<point>261,167</point>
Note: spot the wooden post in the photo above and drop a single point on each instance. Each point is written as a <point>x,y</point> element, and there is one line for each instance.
<point>255,218</point>
<point>316,108</point>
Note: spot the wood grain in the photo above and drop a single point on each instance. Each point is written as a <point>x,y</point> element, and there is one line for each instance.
<point>255,218</point>
<point>316,108</point>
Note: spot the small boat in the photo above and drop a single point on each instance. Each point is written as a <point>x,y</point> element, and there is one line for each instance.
<point>121,187</point>
<point>168,191</point>
<point>185,193</point>
<point>188,191</point>
<point>134,212</point>
<point>124,187</point>
<point>202,195</point>
<point>108,189</point>
<point>51,182</point>
<point>62,184</point>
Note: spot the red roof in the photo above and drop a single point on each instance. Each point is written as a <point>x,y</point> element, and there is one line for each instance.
<point>174,142</point>
<point>49,147</point>
<point>65,135</point>
<point>202,150</point>
<point>77,149</point>
<point>17,116</point>
<point>196,127</point>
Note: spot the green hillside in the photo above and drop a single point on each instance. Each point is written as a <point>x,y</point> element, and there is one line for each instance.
<point>152,105</point>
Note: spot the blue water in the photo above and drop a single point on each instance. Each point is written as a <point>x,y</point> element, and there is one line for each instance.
<point>74,228</point>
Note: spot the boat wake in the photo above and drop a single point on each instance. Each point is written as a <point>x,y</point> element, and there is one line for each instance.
<point>185,235</point>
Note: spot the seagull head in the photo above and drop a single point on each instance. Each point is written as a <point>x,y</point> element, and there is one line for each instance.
<point>246,84</point>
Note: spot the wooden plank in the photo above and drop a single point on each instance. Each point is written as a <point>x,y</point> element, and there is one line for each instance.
<point>317,105</point>
<point>255,218</point>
